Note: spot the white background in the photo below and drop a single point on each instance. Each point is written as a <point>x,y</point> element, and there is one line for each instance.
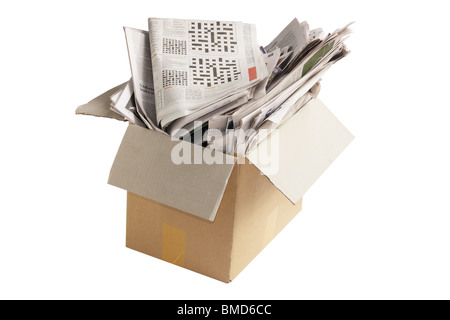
<point>375,226</point>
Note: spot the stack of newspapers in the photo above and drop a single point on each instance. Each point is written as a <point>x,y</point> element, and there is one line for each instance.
<point>209,81</point>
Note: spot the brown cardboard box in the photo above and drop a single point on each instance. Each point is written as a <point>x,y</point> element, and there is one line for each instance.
<point>214,218</point>
<point>250,215</point>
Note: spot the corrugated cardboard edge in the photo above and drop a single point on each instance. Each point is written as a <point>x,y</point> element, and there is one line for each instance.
<point>237,168</point>
<point>258,205</point>
<point>99,106</point>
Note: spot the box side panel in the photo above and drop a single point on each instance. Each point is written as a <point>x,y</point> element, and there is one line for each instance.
<point>181,238</point>
<point>297,154</point>
<point>146,165</point>
<point>262,211</point>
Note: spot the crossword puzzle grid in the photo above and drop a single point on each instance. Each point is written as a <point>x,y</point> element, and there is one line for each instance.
<point>214,71</point>
<point>174,78</point>
<point>208,37</point>
<point>174,46</point>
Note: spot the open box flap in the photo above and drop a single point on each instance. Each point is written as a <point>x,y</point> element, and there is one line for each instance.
<point>144,165</point>
<point>297,154</point>
<point>99,106</point>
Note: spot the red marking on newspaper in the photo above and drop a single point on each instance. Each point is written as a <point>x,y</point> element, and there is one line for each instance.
<point>252,74</point>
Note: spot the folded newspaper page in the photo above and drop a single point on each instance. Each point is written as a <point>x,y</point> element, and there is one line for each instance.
<point>312,58</point>
<point>142,75</point>
<point>196,63</point>
<point>123,103</point>
<point>208,81</point>
<point>295,37</point>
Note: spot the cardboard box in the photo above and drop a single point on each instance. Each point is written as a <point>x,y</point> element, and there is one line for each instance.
<point>215,218</point>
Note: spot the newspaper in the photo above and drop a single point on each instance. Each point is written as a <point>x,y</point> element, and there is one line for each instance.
<point>269,126</point>
<point>294,37</point>
<point>312,58</point>
<point>205,114</point>
<point>290,92</point>
<point>271,60</point>
<point>115,96</point>
<point>278,114</point>
<point>212,116</point>
<point>142,75</point>
<point>123,103</point>
<point>197,62</point>
<point>199,80</point>
<point>277,111</point>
